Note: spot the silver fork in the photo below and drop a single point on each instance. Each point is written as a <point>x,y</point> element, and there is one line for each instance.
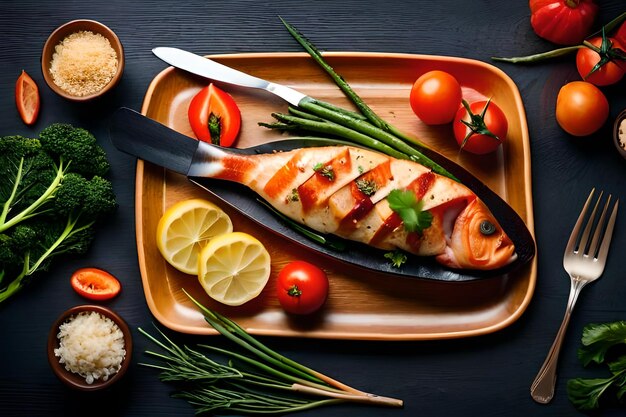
<point>584,261</point>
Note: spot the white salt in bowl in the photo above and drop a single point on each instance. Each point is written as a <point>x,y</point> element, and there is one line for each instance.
<point>61,33</point>
<point>74,380</point>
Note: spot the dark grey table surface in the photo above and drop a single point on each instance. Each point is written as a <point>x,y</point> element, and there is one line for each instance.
<point>482,376</point>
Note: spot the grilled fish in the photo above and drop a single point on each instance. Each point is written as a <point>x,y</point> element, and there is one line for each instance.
<point>343,190</point>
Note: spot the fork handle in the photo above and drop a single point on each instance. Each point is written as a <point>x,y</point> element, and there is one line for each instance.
<point>542,388</point>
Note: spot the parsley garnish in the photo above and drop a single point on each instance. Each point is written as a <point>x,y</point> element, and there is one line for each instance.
<point>324,170</point>
<point>367,187</point>
<point>409,209</point>
<point>597,340</point>
<point>397,258</point>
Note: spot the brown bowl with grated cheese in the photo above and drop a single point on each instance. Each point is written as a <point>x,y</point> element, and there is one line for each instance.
<point>82,60</point>
<point>89,347</point>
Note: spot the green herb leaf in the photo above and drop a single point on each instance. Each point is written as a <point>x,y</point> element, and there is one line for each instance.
<point>597,339</point>
<point>397,258</point>
<point>585,393</point>
<point>294,196</point>
<point>324,170</point>
<point>367,187</point>
<point>407,206</point>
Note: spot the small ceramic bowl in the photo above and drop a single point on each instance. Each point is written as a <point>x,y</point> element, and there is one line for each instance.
<point>75,380</point>
<point>620,126</point>
<point>72,27</point>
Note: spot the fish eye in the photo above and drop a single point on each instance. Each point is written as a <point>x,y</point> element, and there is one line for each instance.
<point>487,228</point>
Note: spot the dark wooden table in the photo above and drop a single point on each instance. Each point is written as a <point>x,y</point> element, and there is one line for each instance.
<point>488,375</point>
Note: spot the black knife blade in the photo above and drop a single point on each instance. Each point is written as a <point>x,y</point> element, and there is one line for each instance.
<point>138,135</point>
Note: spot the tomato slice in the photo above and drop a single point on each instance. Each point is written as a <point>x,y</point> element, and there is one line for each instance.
<point>214,116</point>
<point>95,284</point>
<point>27,98</point>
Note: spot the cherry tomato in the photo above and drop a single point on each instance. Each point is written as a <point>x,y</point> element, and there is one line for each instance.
<point>27,98</point>
<point>435,97</point>
<point>302,287</point>
<point>581,108</point>
<point>609,73</point>
<point>214,116</point>
<point>95,284</point>
<point>487,130</point>
<point>565,22</point>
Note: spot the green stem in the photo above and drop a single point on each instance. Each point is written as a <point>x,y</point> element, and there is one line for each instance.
<point>236,334</point>
<point>360,126</point>
<point>331,128</point>
<point>336,244</point>
<point>338,109</point>
<point>15,285</point>
<point>555,53</point>
<point>271,371</point>
<point>28,212</point>
<point>608,28</point>
<point>69,230</point>
<point>341,83</point>
<point>9,201</point>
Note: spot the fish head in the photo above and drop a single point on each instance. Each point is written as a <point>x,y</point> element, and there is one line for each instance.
<point>477,241</point>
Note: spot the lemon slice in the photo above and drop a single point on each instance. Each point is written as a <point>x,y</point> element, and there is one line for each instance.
<point>187,227</point>
<point>234,268</point>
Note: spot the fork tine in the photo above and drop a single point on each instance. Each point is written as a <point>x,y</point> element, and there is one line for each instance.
<point>606,241</point>
<point>593,246</point>
<point>582,246</point>
<point>571,243</point>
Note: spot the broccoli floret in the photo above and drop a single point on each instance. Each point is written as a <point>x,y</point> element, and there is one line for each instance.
<point>76,145</point>
<point>53,196</point>
<point>27,171</point>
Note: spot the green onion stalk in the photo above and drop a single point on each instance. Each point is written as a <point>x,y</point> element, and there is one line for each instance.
<point>255,380</point>
<point>365,128</point>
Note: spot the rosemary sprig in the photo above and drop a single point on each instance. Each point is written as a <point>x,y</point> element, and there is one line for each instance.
<point>257,380</point>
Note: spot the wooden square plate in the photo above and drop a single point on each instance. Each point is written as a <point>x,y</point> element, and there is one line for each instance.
<point>362,304</point>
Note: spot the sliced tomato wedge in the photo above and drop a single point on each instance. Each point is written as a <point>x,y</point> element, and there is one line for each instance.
<point>214,116</point>
<point>27,98</point>
<point>95,284</point>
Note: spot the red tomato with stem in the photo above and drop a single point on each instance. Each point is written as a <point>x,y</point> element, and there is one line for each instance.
<point>581,108</point>
<point>565,22</point>
<point>608,73</point>
<point>27,98</point>
<point>435,97</point>
<point>480,127</point>
<point>95,284</point>
<point>302,287</point>
<point>214,116</point>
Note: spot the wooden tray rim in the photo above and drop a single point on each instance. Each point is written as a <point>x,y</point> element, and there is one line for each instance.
<point>529,219</point>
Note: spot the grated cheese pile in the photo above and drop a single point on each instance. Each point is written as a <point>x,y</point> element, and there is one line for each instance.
<point>91,345</point>
<point>83,63</point>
